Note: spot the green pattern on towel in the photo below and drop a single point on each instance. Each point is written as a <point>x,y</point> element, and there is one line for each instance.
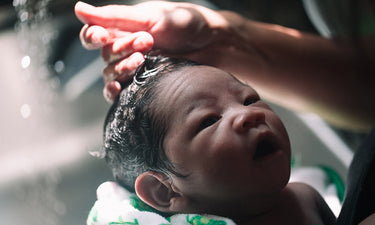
<point>335,178</point>
<point>191,219</point>
<point>139,204</point>
<point>123,222</point>
<point>201,220</point>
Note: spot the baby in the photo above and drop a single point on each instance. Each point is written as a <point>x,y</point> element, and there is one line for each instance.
<point>189,138</point>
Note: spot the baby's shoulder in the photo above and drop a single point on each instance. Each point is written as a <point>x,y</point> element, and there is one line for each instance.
<point>300,194</point>
<point>312,203</point>
<point>302,190</point>
<point>303,194</point>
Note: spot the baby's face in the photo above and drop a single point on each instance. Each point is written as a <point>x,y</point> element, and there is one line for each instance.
<point>232,147</point>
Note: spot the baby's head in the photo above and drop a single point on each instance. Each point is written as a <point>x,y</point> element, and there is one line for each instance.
<point>192,138</point>
<point>133,132</point>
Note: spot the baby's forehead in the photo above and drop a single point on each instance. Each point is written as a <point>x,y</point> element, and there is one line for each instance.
<point>201,79</point>
<point>197,85</point>
<point>204,76</point>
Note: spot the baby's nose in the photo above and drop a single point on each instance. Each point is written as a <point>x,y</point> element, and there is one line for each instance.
<point>248,118</point>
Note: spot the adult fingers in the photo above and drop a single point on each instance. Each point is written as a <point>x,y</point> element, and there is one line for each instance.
<point>123,70</point>
<point>120,72</point>
<point>93,37</point>
<point>111,91</point>
<point>127,45</point>
<point>127,18</point>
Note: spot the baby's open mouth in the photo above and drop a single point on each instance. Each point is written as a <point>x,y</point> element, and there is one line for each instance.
<point>264,148</point>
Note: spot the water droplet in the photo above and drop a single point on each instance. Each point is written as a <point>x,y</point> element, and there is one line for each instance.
<point>25,62</point>
<point>24,16</point>
<point>25,111</point>
<point>59,66</point>
<point>97,154</point>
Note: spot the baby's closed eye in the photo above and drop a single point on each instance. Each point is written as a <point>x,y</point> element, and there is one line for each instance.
<point>208,121</point>
<point>250,100</point>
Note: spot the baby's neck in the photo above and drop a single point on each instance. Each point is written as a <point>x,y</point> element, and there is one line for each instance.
<point>285,211</point>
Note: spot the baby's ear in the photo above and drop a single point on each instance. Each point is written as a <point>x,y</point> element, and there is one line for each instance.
<point>155,189</point>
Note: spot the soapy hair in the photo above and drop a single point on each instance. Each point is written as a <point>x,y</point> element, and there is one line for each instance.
<point>133,130</point>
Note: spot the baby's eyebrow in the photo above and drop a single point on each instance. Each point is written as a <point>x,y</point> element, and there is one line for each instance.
<point>199,103</point>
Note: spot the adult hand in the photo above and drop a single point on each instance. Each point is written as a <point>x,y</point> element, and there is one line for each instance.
<point>124,33</point>
<point>298,70</point>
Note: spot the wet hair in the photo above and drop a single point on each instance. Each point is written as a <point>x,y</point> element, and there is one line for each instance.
<point>134,130</point>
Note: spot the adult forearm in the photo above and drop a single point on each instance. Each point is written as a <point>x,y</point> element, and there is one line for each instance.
<point>299,70</point>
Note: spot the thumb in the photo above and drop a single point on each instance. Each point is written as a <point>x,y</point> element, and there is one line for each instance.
<point>126,18</point>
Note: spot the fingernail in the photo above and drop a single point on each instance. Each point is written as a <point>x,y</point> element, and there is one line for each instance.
<point>99,35</point>
<point>89,45</point>
<point>107,95</point>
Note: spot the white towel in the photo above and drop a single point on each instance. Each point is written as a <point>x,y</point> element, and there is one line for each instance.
<point>115,205</point>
